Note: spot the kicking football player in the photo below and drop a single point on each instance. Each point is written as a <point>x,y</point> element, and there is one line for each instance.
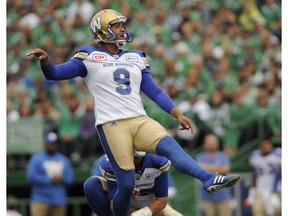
<point>115,79</point>
<point>150,195</point>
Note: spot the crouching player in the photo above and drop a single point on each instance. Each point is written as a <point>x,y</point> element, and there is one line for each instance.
<point>150,196</point>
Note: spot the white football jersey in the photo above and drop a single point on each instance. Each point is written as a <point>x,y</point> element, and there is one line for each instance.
<point>265,168</point>
<point>114,82</point>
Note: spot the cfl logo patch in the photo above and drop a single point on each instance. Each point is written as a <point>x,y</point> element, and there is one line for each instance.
<point>99,57</point>
<point>219,179</point>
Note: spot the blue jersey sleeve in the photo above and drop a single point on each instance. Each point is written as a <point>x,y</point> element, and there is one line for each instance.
<point>156,161</point>
<point>161,185</point>
<point>68,70</point>
<point>150,88</point>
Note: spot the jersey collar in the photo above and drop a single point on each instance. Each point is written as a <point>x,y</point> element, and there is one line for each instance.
<point>116,56</point>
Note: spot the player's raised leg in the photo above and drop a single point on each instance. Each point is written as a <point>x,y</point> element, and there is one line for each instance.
<point>154,138</point>
<point>184,163</point>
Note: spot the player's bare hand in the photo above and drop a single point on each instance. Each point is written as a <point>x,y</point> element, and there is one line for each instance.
<point>186,123</point>
<point>135,193</point>
<point>40,54</point>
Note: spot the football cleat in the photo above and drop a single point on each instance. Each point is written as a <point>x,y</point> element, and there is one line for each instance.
<point>217,182</point>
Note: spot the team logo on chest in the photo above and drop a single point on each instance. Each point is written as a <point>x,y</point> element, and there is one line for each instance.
<point>150,176</point>
<point>130,58</point>
<point>99,57</point>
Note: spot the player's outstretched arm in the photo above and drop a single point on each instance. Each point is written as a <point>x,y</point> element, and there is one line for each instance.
<point>41,54</point>
<point>67,70</point>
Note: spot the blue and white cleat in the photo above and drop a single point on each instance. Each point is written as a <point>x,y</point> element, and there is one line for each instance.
<point>217,182</point>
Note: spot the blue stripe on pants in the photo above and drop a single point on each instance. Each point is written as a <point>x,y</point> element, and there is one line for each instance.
<point>125,180</point>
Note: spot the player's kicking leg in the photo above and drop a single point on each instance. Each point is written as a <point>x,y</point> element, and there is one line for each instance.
<point>158,141</point>
<point>212,182</point>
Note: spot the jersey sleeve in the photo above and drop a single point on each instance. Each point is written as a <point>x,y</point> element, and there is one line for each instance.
<point>64,71</point>
<point>70,69</point>
<point>152,90</point>
<point>161,181</point>
<point>160,162</point>
<point>161,185</point>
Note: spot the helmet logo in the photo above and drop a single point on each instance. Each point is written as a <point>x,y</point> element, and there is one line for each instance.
<point>96,24</point>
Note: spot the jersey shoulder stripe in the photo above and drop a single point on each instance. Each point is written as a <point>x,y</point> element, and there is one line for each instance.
<point>84,51</point>
<point>165,167</point>
<point>81,55</point>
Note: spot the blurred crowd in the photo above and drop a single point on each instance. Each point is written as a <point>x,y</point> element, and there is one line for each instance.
<point>219,60</point>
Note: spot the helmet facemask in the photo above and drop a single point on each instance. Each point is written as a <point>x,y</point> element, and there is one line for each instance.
<point>128,36</point>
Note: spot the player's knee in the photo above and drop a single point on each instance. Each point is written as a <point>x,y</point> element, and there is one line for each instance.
<point>126,181</point>
<point>127,185</point>
<point>91,184</point>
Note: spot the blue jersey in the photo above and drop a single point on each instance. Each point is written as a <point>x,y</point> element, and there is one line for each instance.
<point>41,169</point>
<point>151,178</point>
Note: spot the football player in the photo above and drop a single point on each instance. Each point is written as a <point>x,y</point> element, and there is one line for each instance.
<point>264,195</point>
<point>115,79</point>
<point>150,195</point>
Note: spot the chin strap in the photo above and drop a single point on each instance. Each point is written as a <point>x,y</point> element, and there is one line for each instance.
<point>120,44</point>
